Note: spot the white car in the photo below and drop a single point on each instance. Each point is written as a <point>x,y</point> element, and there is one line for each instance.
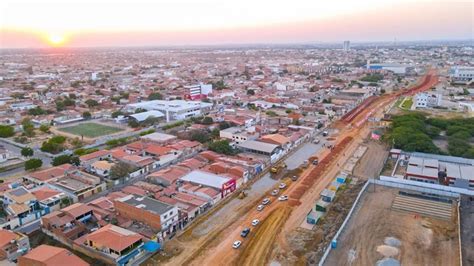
<point>255,222</point>
<point>260,207</point>
<point>237,244</point>
<point>275,192</point>
<point>266,201</point>
<point>282,185</point>
<point>283,198</point>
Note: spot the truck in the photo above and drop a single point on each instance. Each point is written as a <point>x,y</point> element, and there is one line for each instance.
<point>277,168</point>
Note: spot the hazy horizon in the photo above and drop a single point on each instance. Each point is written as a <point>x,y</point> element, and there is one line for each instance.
<point>179,23</point>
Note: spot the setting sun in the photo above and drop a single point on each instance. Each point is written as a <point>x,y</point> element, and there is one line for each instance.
<point>55,39</point>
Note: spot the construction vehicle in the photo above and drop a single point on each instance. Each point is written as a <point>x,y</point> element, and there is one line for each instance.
<point>276,169</point>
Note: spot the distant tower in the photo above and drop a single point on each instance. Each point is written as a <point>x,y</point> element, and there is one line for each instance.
<point>346,45</point>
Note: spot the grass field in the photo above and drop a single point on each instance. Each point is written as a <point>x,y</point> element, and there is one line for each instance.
<point>407,103</point>
<point>90,130</point>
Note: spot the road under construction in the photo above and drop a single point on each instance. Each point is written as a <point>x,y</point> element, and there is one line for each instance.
<point>280,218</point>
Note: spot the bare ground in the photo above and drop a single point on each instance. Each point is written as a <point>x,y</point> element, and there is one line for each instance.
<point>370,165</point>
<point>424,241</point>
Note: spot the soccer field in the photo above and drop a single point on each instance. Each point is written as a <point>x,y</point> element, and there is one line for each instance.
<point>90,130</point>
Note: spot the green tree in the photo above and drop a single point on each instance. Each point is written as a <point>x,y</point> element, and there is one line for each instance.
<point>86,115</point>
<point>155,96</point>
<point>61,159</point>
<point>116,114</point>
<point>28,127</point>
<point>200,136</point>
<point>6,131</point>
<point>92,103</point>
<point>36,111</point>
<point>221,146</point>
<point>120,170</point>
<point>60,105</point>
<point>207,120</point>
<point>27,152</point>
<point>44,128</point>
<point>33,164</point>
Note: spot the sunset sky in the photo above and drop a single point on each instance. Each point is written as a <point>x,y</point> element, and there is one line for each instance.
<point>200,22</point>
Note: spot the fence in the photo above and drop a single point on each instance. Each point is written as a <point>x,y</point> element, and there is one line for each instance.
<point>402,184</point>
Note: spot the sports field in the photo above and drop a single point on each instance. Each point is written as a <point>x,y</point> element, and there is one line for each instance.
<point>90,130</point>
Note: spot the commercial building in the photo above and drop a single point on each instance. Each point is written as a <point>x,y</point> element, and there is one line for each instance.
<point>159,215</point>
<point>238,135</point>
<point>174,110</point>
<point>198,178</point>
<point>346,45</point>
<point>447,170</point>
<point>424,100</point>
<point>199,91</point>
<point>392,67</point>
<point>462,74</point>
<point>273,151</point>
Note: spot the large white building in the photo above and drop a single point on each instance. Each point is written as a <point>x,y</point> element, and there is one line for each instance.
<point>199,91</point>
<point>392,67</point>
<point>173,110</point>
<point>424,100</point>
<point>462,74</point>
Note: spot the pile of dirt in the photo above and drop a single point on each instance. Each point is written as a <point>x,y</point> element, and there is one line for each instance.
<point>387,251</point>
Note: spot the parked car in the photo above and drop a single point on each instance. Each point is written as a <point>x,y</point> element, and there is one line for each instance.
<point>282,185</point>
<point>260,207</point>
<point>275,192</point>
<point>237,244</point>
<point>245,232</point>
<point>266,201</point>
<point>294,178</point>
<point>255,222</point>
<point>283,198</point>
<point>316,141</point>
<point>325,133</point>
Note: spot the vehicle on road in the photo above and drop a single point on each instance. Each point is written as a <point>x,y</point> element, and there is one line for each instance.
<point>305,163</point>
<point>294,178</point>
<point>260,207</point>
<point>283,198</point>
<point>325,133</point>
<point>245,232</point>
<point>282,186</point>
<point>276,169</point>
<point>314,160</point>
<point>316,141</point>
<point>275,192</point>
<point>255,222</point>
<point>266,201</point>
<point>237,244</point>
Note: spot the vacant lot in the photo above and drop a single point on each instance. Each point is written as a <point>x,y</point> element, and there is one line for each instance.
<point>412,240</point>
<point>90,130</point>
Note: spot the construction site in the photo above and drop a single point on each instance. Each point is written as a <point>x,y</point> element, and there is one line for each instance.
<point>283,236</point>
<point>394,227</point>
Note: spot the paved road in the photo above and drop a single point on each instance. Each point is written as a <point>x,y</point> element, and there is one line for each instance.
<point>16,151</point>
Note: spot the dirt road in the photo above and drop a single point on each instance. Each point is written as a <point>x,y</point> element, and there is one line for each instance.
<point>278,219</point>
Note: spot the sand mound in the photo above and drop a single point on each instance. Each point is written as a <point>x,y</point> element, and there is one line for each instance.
<point>387,251</point>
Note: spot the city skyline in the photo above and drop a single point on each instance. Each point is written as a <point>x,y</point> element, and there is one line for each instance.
<point>92,24</point>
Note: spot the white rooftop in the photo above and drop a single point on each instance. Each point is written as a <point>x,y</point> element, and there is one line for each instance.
<point>206,179</point>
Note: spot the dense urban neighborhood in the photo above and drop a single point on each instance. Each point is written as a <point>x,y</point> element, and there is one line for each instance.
<point>344,154</point>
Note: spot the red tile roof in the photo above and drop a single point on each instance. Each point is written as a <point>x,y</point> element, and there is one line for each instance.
<point>52,256</point>
<point>113,237</point>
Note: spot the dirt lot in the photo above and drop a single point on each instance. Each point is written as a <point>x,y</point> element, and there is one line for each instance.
<point>370,165</point>
<point>423,241</point>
